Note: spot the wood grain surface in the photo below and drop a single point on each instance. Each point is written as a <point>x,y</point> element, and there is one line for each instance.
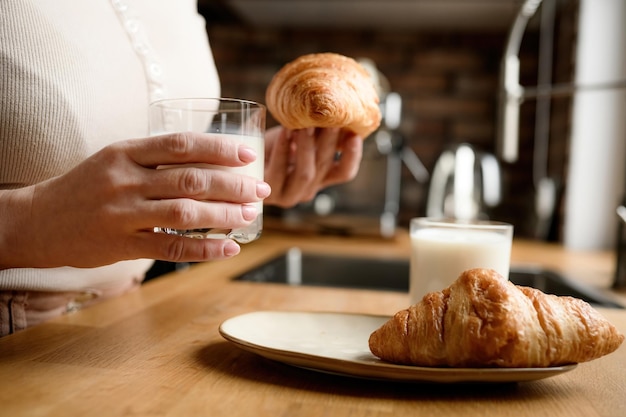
<point>157,351</point>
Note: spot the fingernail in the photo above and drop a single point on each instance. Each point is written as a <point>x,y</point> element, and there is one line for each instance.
<point>263,189</point>
<point>248,212</point>
<point>246,154</point>
<point>231,248</point>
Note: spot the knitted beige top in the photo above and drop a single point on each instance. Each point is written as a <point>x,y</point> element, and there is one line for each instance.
<point>76,75</point>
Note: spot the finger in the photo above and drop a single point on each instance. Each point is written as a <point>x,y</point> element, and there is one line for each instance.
<point>278,161</point>
<point>181,249</point>
<point>347,167</point>
<point>203,183</point>
<point>300,179</point>
<point>189,147</point>
<point>184,213</point>
<point>327,147</point>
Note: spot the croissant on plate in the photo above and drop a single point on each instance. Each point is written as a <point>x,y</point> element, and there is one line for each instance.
<point>484,320</point>
<point>324,90</point>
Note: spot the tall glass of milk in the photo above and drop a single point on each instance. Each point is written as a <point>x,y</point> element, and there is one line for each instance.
<point>441,249</point>
<point>242,121</point>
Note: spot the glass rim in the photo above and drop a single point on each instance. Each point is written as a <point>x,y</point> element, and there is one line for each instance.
<point>452,223</point>
<point>164,101</point>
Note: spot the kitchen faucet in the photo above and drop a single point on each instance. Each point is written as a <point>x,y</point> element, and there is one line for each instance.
<point>513,94</point>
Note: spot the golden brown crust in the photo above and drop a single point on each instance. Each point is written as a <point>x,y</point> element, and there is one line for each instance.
<point>324,90</point>
<point>483,320</point>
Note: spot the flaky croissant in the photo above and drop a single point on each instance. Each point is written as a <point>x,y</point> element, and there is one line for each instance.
<point>324,90</point>
<point>484,320</point>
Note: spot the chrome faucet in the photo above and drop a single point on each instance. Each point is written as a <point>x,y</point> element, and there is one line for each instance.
<point>512,94</point>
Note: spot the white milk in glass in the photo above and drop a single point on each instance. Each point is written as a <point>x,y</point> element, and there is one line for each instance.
<point>439,255</point>
<point>254,169</point>
<point>238,121</point>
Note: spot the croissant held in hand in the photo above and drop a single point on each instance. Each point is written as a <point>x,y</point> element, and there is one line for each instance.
<point>484,320</point>
<point>324,90</point>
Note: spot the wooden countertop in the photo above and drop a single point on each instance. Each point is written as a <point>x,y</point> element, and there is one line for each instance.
<point>157,351</point>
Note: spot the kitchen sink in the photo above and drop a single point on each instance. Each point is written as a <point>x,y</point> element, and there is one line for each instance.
<point>296,267</point>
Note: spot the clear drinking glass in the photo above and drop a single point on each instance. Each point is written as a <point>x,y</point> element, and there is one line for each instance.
<point>441,249</point>
<point>240,120</point>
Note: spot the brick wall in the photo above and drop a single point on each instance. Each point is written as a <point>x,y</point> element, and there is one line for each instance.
<point>448,82</point>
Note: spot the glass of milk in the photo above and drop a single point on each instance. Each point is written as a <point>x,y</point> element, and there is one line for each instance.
<point>441,249</point>
<point>241,121</point>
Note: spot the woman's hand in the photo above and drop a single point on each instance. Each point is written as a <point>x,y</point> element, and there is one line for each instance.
<point>104,210</point>
<point>299,163</point>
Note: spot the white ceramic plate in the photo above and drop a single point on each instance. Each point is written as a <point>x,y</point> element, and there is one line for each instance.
<point>338,343</point>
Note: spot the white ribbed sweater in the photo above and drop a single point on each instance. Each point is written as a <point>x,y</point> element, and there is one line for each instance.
<point>74,79</point>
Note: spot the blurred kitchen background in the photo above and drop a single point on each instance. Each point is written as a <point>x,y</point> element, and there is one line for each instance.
<point>440,147</point>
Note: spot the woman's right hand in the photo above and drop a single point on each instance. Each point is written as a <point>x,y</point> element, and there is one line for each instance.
<point>104,210</point>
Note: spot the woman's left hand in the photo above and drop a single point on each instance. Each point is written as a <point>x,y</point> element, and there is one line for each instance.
<point>299,163</point>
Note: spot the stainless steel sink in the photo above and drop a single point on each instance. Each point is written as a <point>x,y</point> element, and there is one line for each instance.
<point>296,267</point>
